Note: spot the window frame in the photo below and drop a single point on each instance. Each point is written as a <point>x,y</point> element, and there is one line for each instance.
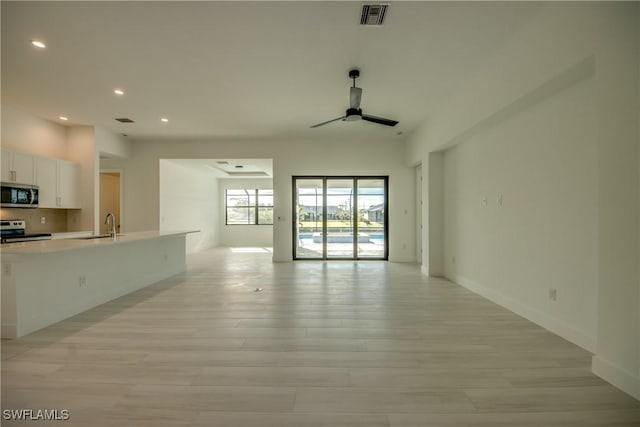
<point>256,206</point>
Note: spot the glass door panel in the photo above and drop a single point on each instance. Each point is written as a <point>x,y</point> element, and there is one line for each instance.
<point>371,214</point>
<point>309,229</point>
<point>340,218</point>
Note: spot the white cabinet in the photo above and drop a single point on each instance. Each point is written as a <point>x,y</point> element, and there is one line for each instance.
<point>59,183</point>
<point>18,167</point>
<point>47,180</point>
<point>68,185</point>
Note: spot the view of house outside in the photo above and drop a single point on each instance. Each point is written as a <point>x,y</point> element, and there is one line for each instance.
<point>345,211</point>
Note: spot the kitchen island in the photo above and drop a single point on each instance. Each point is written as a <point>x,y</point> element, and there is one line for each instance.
<point>46,281</point>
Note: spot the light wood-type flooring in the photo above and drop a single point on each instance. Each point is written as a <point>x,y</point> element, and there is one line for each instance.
<point>368,344</point>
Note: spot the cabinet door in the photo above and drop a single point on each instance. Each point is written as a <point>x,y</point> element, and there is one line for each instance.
<point>6,166</point>
<point>68,185</point>
<point>47,180</point>
<point>23,167</point>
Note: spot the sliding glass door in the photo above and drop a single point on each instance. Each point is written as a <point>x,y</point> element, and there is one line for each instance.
<point>339,230</point>
<point>371,212</point>
<point>308,218</point>
<point>340,218</point>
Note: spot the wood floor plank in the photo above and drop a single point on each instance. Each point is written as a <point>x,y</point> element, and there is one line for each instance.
<point>321,419</point>
<point>365,400</point>
<point>324,344</point>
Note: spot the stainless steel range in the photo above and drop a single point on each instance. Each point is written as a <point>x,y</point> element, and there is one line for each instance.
<point>13,230</point>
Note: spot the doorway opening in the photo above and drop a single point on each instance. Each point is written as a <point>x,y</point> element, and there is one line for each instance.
<point>338,217</point>
<point>110,198</point>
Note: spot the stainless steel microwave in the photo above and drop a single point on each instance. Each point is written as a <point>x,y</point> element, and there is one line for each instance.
<point>19,195</point>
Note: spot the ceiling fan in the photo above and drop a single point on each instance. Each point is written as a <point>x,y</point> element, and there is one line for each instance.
<point>354,112</point>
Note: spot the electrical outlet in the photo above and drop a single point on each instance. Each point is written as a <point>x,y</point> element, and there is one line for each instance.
<point>553,294</point>
<point>43,220</point>
<point>6,269</point>
<point>499,199</point>
<point>82,281</point>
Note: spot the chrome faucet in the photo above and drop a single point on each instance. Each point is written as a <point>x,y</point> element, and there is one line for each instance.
<point>112,232</point>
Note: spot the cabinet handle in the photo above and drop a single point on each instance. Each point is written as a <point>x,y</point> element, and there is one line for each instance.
<point>13,175</point>
<point>58,201</point>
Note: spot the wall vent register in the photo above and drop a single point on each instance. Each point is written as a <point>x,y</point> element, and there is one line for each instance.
<point>373,14</point>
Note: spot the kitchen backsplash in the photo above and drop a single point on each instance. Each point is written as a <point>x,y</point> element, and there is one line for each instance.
<point>55,219</point>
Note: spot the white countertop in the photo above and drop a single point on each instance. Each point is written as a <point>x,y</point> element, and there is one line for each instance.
<point>58,245</point>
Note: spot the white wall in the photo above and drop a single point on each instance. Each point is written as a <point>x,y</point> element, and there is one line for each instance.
<point>290,158</point>
<point>543,164</point>
<point>243,235</point>
<point>618,354</point>
<point>24,132</point>
<point>437,214</point>
<point>638,124</point>
<point>112,144</point>
<point>591,63</point>
<point>188,201</point>
<point>81,148</point>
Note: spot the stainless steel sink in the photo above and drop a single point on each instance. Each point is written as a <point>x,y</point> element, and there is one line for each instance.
<point>97,236</point>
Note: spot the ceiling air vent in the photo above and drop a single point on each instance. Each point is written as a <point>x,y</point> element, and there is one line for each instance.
<point>124,120</point>
<point>373,14</point>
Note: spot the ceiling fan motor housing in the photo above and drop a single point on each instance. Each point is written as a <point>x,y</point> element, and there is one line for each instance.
<point>353,114</point>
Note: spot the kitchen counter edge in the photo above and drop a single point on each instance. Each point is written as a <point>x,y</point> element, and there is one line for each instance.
<point>59,245</point>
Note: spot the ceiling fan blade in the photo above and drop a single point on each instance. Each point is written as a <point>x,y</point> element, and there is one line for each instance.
<point>355,96</point>
<point>379,120</point>
<point>328,121</point>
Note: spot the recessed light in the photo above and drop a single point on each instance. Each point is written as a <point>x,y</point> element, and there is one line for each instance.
<point>63,118</point>
<point>164,119</point>
<point>118,91</point>
<point>38,44</point>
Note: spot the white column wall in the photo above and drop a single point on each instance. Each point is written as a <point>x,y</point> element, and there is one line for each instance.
<point>542,63</point>
<point>189,200</point>
<point>81,148</point>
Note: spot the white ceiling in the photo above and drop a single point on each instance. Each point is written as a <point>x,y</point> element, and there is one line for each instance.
<point>243,69</point>
<point>230,168</point>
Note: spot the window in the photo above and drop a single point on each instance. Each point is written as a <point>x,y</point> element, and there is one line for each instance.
<point>249,206</point>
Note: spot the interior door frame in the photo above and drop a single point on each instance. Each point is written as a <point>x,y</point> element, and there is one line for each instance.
<point>120,172</point>
<point>325,178</point>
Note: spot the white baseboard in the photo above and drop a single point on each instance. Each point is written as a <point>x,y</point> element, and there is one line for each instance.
<point>623,379</point>
<point>542,319</point>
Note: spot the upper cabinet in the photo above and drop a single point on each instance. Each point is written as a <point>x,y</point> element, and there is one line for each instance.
<point>18,167</point>
<point>47,181</point>
<point>58,181</point>
<point>68,185</point>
